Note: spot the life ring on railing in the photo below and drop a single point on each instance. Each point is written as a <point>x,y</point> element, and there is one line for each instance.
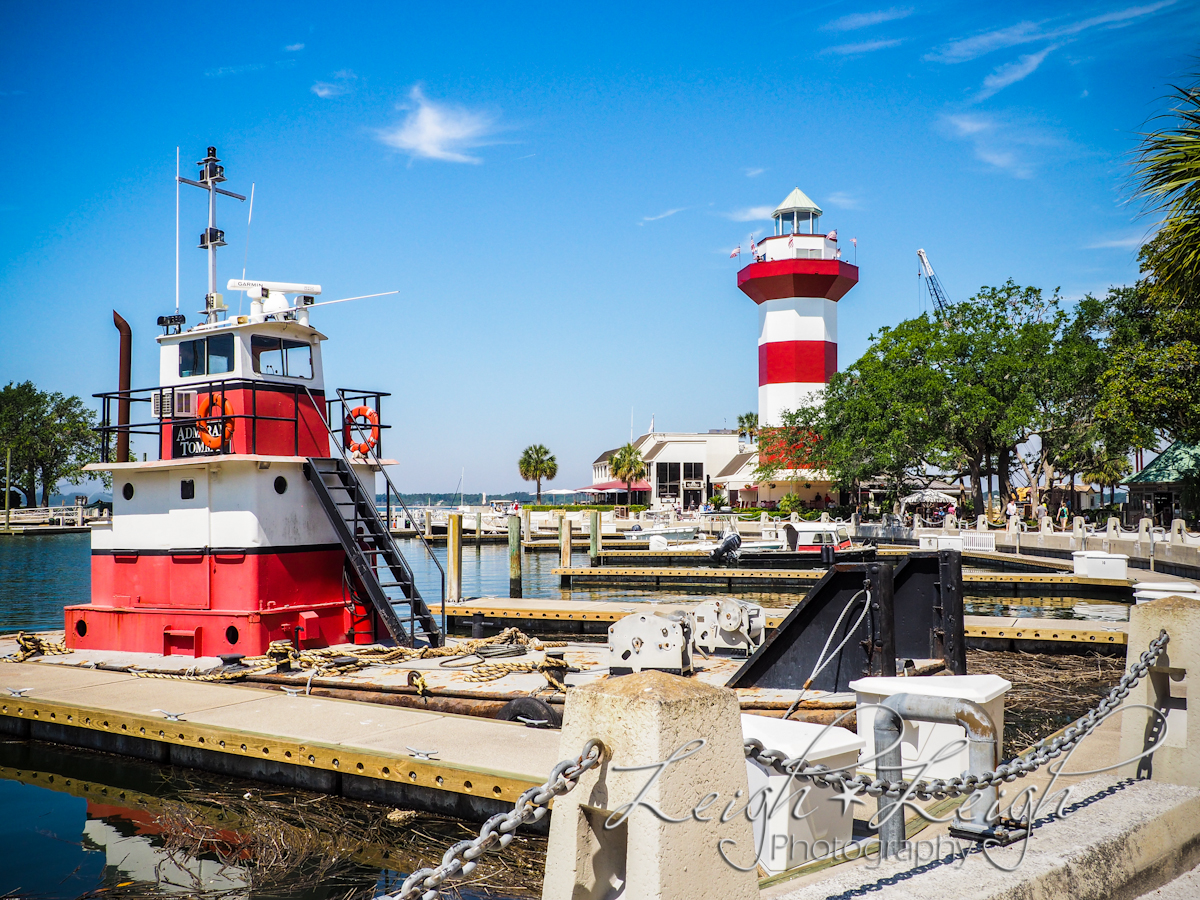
<point>364,412</point>
<point>207,438</point>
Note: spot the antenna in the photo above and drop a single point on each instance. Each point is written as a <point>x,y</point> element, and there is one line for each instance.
<point>246,258</point>
<point>176,230</point>
<point>211,174</point>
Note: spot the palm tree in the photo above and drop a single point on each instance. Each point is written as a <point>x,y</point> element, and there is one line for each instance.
<point>748,425</point>
<point>1107,470</point>
<point>628,466</point>
<point>536,463</point>
<point>1168,179</point>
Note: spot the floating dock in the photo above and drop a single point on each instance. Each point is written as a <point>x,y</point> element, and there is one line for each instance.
<point>800,580</point>
<point>457,765</point>
<point>487,614</point>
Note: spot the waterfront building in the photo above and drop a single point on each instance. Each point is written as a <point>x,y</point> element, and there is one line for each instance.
<point>1157,491</point>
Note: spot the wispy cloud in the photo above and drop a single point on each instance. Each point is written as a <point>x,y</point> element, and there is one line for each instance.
<point>842,200</point>
<point>865,20</point>
<point>753,173</point>
<point>293,48</point>
<point>965,49</point>
<point>669,212</point>
<point>1012,72</point>
<point>863,47</point>
<point>1000,144</point>
<point>235,70</point>
<point>1128,242</point>
<point>750,214</point>
<point>343,83</point>
<point>439,131</point>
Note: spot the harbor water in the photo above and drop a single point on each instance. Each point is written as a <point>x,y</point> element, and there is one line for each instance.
<point>78,823</point>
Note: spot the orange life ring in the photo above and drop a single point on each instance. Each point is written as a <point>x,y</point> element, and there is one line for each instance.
<point>371,416</point>
<point>221,402</point>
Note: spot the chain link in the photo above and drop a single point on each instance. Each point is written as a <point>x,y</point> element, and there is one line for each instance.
<point>531,806</point>
<point>936,789</point>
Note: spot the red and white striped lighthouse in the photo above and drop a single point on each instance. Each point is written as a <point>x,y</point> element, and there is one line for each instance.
<point>797,279</point>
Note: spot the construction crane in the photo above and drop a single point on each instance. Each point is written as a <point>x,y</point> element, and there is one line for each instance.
<point>935,286</point>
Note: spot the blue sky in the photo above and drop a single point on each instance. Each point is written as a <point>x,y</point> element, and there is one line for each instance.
<point>555,190</point>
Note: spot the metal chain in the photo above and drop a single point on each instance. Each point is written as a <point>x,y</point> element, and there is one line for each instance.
<point>531,806</point>
<point>1036,757</point>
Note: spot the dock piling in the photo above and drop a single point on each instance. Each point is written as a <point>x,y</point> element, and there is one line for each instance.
<point>594,536</point>
<point>454,558</point>
<point>526,531</point>
<point>478,529</point>
<point>564,548</point>
<point>514,556</point>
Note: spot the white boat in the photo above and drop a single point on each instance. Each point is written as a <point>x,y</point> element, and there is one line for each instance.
<point>677,532</point>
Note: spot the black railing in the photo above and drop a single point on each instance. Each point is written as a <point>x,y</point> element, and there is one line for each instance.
<point>248,420</point>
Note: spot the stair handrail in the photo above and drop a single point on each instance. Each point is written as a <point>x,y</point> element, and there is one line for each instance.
<point>387,525</point>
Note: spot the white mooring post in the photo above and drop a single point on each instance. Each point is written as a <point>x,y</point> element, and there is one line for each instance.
<point>454,535</point>
<point>644,720</point>
<point>1177,759</point>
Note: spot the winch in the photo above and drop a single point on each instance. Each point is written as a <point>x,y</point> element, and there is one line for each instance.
<point>728,624</point>
<point>645,641</point>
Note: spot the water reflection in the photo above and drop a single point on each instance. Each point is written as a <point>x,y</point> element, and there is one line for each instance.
<point>79,824</point>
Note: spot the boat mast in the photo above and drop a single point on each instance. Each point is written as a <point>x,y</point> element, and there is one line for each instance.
<point>211,174</point>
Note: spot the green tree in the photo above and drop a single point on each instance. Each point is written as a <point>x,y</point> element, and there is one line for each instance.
<point>537,463</point>
<point>954,395</point>
<point>22,406</point>
<point>1168,181</point>
<point>51,437</point>
<point>628,466</point>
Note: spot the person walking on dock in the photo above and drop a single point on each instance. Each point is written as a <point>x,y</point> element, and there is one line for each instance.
<point>1063,515</point>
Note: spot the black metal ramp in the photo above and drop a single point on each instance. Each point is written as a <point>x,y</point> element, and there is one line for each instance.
<point>928,600</point>
<point>790,653</point>
<point>369,547</point>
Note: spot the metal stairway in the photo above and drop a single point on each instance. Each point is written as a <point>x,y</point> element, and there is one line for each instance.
<point>370,548</point>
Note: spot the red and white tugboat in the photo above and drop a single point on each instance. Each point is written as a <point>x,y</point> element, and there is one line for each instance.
<point>258,520</point>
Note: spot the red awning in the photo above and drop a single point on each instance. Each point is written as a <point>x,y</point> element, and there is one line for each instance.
<point>609,486</point>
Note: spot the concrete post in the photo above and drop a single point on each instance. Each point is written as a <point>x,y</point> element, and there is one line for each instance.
<point>1145,527</point>
<point>478,528</point>
<point>594,536</point>
<point>428,523</point>
<point>1177,759</point>
<point>1113,528</point>
<point>825,517</point>
<point>1014,525</point>
<point>644,720</point>
<point>1177,529</point>
<point>794,518</point>
<point>1077,527</point>
<point>981,522</point>
<point>454,558</point>
<point>514,556</point>
<point>526,532</point>
<point>1046,525</point>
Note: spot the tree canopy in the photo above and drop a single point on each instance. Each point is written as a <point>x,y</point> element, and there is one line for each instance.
<point>50,436</point>
<point>628,466</point>
<point>537,463</point>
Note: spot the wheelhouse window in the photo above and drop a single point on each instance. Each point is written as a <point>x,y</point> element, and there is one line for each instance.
<point>275,356</point>
<point>206,356</point>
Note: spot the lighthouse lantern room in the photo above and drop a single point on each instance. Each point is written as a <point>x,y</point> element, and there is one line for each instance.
<point>797,278</point>
<point>257,521</point>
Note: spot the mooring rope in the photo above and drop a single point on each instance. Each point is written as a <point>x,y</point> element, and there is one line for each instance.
<point>31,645</point>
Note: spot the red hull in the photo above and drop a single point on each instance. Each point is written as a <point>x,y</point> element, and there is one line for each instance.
<point>208,602</point>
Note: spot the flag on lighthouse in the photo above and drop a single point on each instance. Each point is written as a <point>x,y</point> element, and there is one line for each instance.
<point>832,236</point>
<point>737,251</point>
<point>753,246</point>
